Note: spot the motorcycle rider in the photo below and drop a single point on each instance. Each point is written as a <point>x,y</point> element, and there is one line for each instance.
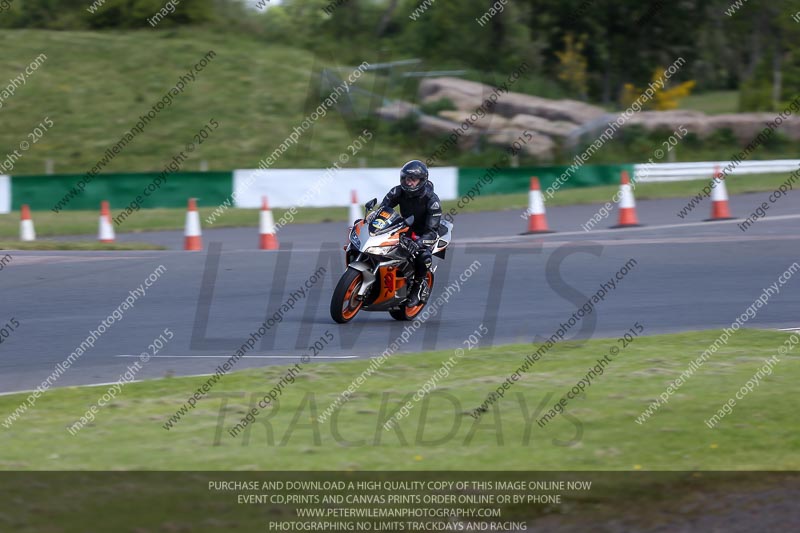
<point>416,197</point>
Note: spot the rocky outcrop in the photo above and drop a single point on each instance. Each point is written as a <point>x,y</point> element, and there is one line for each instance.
<point>396,110</point>
<point>486,122</point>
<point>552,128</point>
<point>540,146</point>
<point>745,126</point>
<point>469,95</point>
<point>693,121</point>
<point>514,104</point>
<point>440,127</point>
<point>431,89</point>
<point>508,115</point>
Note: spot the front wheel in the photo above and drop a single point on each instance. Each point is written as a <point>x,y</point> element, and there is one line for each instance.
<point>344,302</point>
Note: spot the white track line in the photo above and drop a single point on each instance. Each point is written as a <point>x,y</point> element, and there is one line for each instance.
<point>461,242</point>
<point>243,357</point>
<point>86,385</point>
<point>619,231</point>
<point>650,240</point>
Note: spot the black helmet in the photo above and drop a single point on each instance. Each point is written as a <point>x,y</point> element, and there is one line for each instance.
<point>414,169</point>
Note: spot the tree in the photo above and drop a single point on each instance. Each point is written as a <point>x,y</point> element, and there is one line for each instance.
<point>386,18</point>
<point>572,65</point>
<point>772,78</point>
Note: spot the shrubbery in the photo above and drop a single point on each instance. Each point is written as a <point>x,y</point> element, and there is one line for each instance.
<point>99,14</point>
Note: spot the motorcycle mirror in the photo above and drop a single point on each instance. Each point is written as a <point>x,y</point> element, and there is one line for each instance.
<point>371,203</point>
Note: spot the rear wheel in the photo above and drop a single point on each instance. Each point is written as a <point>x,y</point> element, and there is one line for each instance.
<point>344,302</point>
<point>410,313</point>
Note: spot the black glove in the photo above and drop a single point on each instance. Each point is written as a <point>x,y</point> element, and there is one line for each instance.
<point>410,245</point>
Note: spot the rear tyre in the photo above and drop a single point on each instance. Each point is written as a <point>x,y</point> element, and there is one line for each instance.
<point>410,313</point>
<point>344,305</point>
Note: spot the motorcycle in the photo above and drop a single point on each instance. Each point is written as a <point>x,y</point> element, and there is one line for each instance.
<point>380,267</point>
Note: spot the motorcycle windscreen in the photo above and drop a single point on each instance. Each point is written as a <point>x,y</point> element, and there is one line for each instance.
<point>384,221</point>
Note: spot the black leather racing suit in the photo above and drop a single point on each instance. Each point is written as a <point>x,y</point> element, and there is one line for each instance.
<point>427,211</point>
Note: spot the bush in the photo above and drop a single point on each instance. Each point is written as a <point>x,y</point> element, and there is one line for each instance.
<point>665,98</point>
<point>755,96</point>
<point>777,141</point>
<point>75,14</point>
<point>405,127</point>
<point>630,134</point>
<point>692,141</point>
<point>722,138</point>
<point>756,92</point>
<point>433,108</point>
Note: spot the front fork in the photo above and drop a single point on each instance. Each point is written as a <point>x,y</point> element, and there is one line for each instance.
<point>366,273</point>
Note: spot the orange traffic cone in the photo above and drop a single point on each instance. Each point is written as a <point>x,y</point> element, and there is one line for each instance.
<point>355,209</point>
<point>537,220</point>
<point>719,198</point>
<point>627,204</point>
<point>193,236</point>
<point>266,228</point>
<point>105,231</point>
<point>26,231</point>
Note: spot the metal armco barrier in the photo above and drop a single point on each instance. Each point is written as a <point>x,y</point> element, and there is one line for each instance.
<point>661,172</point>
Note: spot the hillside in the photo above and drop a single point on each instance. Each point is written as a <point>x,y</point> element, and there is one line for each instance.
<point>256,93</point>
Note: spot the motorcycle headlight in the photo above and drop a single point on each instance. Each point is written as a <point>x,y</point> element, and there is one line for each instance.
<point>379,250</point>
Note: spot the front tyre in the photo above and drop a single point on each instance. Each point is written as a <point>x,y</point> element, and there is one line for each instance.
<point>344,302</point>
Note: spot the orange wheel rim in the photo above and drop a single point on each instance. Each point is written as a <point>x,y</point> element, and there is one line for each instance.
<point>411,312</point>
<point>350,311</point>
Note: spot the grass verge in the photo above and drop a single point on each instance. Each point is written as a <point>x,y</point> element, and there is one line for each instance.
<point>256,91</point>
<point>655,191</point>
<point>66,245</point>
<point>597,432</point>
<point>712,102</point>
<point>83,222</point>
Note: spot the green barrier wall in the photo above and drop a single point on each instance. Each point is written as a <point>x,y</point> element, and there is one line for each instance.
<point>517,180</point>
<point>213,188</point>
<point>44,192</point>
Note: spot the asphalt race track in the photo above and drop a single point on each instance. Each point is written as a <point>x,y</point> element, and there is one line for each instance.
<point>688,275</point>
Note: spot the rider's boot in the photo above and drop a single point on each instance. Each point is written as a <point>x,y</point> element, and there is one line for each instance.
<point>419,292</point>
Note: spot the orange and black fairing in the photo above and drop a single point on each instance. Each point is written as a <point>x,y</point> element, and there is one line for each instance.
<point>393,239</point>
<point>390,281</point>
